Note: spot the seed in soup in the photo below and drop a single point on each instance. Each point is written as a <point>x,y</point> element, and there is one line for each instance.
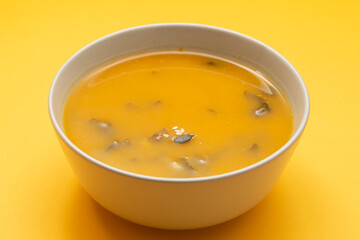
<point>177,114</point>
<point>183,138</point>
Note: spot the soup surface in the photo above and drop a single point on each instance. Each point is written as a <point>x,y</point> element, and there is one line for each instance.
<point>177,114</point>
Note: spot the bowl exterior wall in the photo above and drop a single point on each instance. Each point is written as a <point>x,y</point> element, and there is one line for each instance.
<point>176,205</point>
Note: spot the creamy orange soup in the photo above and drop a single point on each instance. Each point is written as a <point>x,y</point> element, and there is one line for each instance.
<point>177,114</point>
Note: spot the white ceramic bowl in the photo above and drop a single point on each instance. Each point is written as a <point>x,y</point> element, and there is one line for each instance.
<point>176,203</point>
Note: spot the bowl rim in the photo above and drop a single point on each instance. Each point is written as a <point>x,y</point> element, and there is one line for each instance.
<point>264,161</point>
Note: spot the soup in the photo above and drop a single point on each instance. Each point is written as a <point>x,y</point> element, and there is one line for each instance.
<point>177,114</point>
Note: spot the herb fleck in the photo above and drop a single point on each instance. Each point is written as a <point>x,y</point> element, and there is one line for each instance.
<point>185,161</point>
<point>264,105</point>
<point>116,144</point>
<point>263,109</point>
<point>254,147</point>
<point>160,135</point>
<point>101,125</point>
<point>157,103</point>
<point>131,105</point>
<point>155,70</point>
<point>210,110</point>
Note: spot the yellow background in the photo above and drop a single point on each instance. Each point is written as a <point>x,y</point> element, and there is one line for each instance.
<point>317,197</point>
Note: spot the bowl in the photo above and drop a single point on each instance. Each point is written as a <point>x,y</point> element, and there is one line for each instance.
<point>179,203</point>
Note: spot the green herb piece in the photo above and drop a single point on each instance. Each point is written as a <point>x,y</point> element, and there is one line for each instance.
<point>254,147</point>
<point>183,138</point>
<point>211,63</point>
<point>198,162</point>
<point>101,125</point>
<point>263,109</point>
<point>155,70</point>
<point>185,162</point>
<point>116,144</point>
<point>131,105</point>
<point>134,159</point>
<point>160,135</point>
<point>210,110</point>
<point>157,103</point>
